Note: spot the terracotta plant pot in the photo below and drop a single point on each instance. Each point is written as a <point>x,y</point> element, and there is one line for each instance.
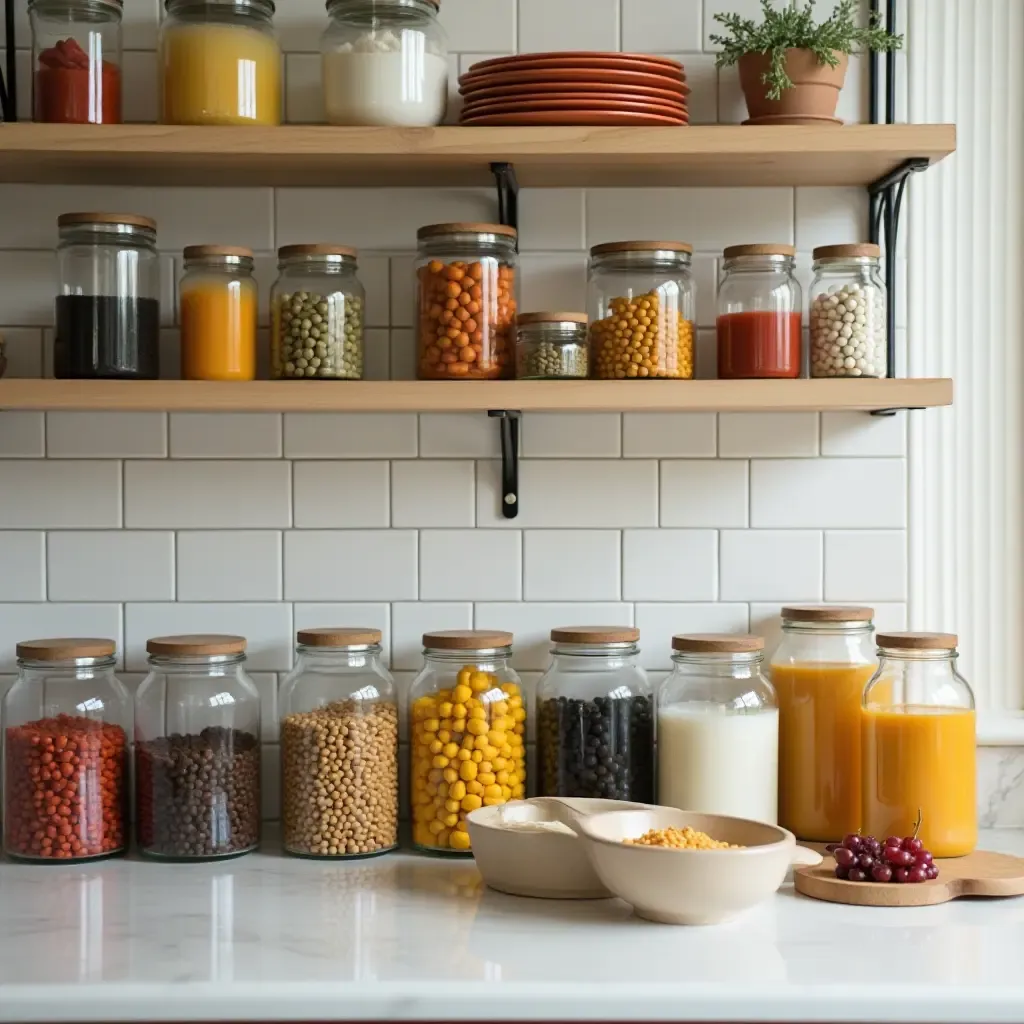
<point>815,91</point>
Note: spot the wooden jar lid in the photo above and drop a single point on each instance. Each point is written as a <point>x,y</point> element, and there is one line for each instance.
<point>759,249</point>
<point>857,249</point>
<point>595,634</point>
<point>65,648</point>
<point>717,643</point>
<point>467,639</point>
<point>341,636</point>
<point>465,228</point>
<point>827,613</point>
<point>640,246</point>
<point>192,252</point>
<point>917,641</point>
<point>196,643</point>
<point>135,220</point>
<point>545,317</point>
<point>287,251</point>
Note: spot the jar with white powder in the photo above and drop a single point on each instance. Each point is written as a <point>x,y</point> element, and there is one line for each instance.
<point>848,313</point>
<point>385,62</point>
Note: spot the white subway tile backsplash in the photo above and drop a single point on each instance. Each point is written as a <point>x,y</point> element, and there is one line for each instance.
<point>571,435</point>
<point>24,351</point>
<point>748,9</point>
<point>771,565</point>
<point>22,565</point>
<point>29,280</point>
<point>120,565</point>
<point>140,87</point>
<point>702,78</point>
<point>470,565</point>
<point>455,435</point>
<point>571,565</point>
<point>857,434</point>
<point>669,435</point>
<point>304,90</point>
<point>33,621</point>
<point>350,565</point>
<point>550,282</point>
<point>409,621</point>
<point>217,435</point>
<point>658,623</point>
<point>22,435</point>
<point>429,493</point>
<point>402,278</point>
<point>480,26</point>
<point>266,683</point>
<point>59,494</point>
<point>349,435</point>
<point>229,565</point>
<point>669,565</point>
<point>320,615</point>
<point>341,494</point>
<point>704,493</point>
<point>552,219</point>
<point>830,216</point>
<point>865,565</point>
<point>767,434</point>
<point>568,25</point>
<point>110,435</point>
<point>651,26</point>
<point>839,493</point>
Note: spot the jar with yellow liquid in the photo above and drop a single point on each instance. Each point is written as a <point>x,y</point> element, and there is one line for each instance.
<point>819,672</point>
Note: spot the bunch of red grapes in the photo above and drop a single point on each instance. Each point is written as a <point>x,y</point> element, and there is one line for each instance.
<point>864,859</point>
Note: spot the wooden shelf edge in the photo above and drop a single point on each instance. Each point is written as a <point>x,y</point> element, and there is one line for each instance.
<point>475,396</point>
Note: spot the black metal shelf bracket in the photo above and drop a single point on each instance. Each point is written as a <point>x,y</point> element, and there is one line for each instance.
<point>508,424</point>
<point>508,194</point>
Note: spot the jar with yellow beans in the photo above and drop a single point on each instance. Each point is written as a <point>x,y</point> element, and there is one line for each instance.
<point>642,310</point>
<point>467,733</point>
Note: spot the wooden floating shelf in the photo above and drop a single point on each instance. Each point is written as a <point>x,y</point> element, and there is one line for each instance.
<point>477,396</point>
<point>543,156</point>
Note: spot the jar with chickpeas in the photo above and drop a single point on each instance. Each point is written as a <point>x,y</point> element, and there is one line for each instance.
<point>642,301</point>
<point>339,747</point>
<point>467,734</point>
<point>466,276</point>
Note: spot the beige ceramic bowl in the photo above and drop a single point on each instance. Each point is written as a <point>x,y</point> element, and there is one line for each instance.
<point>689,886</point>
<point>550,865</point>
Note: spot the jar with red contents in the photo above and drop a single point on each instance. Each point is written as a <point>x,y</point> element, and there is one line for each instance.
<point>66,726</point>
<point>760,317</point>
<point>76,61</point>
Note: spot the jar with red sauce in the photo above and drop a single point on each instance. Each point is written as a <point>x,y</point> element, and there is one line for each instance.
<point>76,61</point>
<point>760,307</point>
<point>67,723</point>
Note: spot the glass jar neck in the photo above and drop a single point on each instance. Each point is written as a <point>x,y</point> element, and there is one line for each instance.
<point>215,664</point>
<point>726,664</point>
<point>317,265</point>
<point>369,12</point>
<point>498,656</point>
<point>469,245</point>
<point>85,666</point>
<point>91,11</point>
<point>839,264</point>
<point>226,11</point>
<point>853,628</point>
<point>759,265</point>
<point>115,235</point>
<point>891,654</point>
<point>611,651</point>
<point>657,260</point>
<point>358,656</point>
<point>237,266</point>
<point>559,332</point>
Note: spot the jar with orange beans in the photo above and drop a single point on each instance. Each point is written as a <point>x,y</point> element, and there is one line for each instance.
<point>467,734</point>
<point>466,277</point>
<point>67,723</point>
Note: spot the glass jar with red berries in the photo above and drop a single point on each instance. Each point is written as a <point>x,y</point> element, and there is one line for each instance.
<point>66,726</point>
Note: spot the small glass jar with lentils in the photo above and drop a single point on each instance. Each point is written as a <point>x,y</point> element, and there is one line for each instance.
<point>468,734</point>
<point>642,310</point>
<point>596,716</point>
<point>316,314</point>
<point>197,750</point>
<point>551,346</point>
<point>339,747</point>
<point>466,277</point>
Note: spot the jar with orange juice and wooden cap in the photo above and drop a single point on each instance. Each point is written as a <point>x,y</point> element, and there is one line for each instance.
<point>819,672</point>
<point>918,745</point>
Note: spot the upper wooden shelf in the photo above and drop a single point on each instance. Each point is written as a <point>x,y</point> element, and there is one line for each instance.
<point>543,157</point>
<point>477,396</point>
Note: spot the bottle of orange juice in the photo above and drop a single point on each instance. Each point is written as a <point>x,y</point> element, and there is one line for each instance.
<point>919,745</point>
<point>819,672</point>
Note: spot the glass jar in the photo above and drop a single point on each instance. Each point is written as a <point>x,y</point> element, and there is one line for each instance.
<point>108,303</point>
<point>67,722</point>
<point>919,745</point>
<point>384,62</point>
<point>760,308</point>
<point>848,313</point>
<point>718,729</point>
<point>218,314</point>
<point>642,306</point>
<point>339,747</point>
<point>596,716</point>
<point>197,750</point>
<point>468,734</point>
<point>76,61</point>
<point>316,314</point>
<point>551,346</point>
<point>819,671</point>
<point>220,63</point>
<point>467,301</point>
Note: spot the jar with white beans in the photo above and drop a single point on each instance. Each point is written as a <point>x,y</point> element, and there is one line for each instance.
<point>848,313</point>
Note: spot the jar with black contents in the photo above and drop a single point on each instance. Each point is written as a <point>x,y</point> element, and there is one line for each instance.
<point>551,346</point>
<point>339,747</point>
<point>108,303</point>
<point>67,725</point>
<point>197,750</point>
<point>596,716</point>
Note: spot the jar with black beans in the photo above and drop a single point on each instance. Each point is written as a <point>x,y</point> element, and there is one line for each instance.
<point>596,716</point>
<point>197,750</point>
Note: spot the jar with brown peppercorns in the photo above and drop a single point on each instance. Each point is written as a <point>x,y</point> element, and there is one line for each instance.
<point>642,310</point>
<point>339,747</point>
<point>197,750</point>
<point>67,722</point>
<point>466,277</point>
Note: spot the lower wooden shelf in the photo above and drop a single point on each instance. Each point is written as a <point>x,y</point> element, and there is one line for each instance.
<point>477,396</point>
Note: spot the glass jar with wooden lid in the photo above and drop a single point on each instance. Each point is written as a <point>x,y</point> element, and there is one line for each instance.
<point>466,277</point>
<point>551,346</point>
<point>467,733</point>
<point>642,304</point>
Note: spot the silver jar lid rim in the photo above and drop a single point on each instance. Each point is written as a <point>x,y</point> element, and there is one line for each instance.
<point>264,7</point>
<point>114,6</point>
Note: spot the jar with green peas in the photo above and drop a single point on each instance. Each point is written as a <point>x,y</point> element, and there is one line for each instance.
<point>551,346</point>
<point>316,314</point>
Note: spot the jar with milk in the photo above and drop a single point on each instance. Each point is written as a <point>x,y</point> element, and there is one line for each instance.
<point>718,729</point>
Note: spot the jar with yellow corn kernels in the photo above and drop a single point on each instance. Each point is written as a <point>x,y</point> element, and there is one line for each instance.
<point>467,734</point>
<point>642,310</point>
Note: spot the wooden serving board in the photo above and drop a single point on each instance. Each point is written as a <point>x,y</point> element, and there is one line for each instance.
<point>978,874</point>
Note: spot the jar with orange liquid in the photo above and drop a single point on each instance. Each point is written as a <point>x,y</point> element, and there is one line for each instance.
<point>819,672</point>
<point>919,745</point>
<point>218,314</point>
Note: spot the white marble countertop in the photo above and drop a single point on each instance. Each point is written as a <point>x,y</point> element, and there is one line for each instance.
<point>269,938</point>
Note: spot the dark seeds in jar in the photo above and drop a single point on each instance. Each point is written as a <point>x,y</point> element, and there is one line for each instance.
<point>317,336</point>
<point>545,359</point>
<point>597,748</point>
<point>198,795</point>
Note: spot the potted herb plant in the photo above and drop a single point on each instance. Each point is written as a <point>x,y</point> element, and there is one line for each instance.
<point>792,66</point>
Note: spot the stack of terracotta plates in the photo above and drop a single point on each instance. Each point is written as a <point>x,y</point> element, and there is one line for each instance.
<point>575,88</point>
